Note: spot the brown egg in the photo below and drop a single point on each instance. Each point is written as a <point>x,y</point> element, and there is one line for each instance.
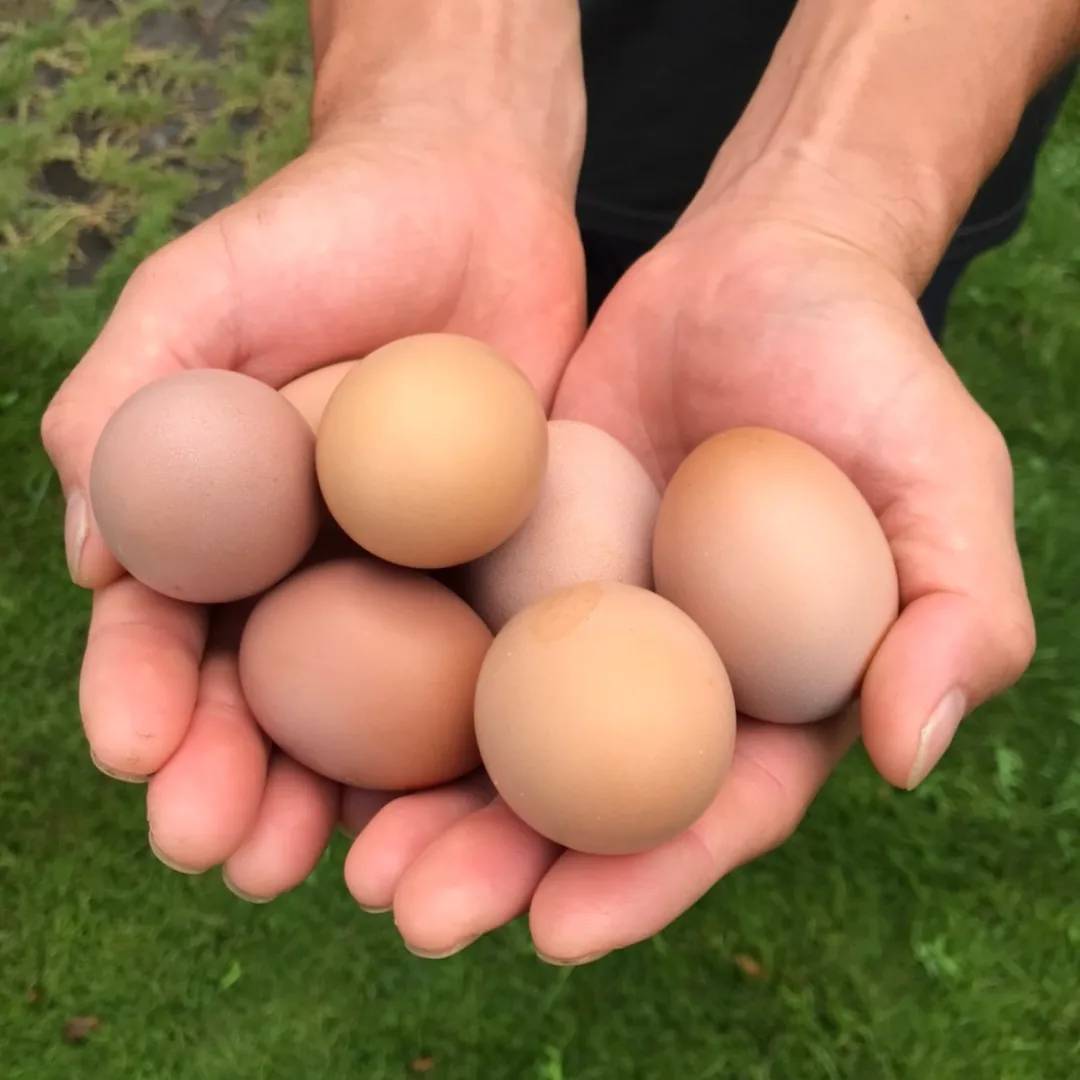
<point>776,555</point>
<point>431,451</point>
<point>592,522</point>
<point>605,718</point>
<point>309,393</point>
<point>203,486</point>
<point>365,673</point>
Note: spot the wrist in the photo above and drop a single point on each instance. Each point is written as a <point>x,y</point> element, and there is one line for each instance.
<point>877,120</point>
<point>505,79</point>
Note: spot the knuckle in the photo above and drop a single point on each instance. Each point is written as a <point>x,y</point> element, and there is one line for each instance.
<point>1016,641</point>
<point>58,424</point>
<point>151,270</point>
<point>990,444</point>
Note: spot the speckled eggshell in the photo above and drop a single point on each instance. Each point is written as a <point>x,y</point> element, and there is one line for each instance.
<point>310,392</point>
<point>203,486</point>
<point>592,522</point>
<point>365,672</point>
<point>605,718</point>
<point>775,553</point>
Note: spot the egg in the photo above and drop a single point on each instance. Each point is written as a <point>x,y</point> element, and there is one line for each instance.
<point>309,393</point>
<point>431,452</point>
<point>365,673</point>
<point>203,486</point>
<point>592,522</point>
<point>775,553</point>
<point>605,718</point>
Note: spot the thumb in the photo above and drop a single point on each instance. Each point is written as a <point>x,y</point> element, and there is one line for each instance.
<point>966,630</point>
<point>172,314</point>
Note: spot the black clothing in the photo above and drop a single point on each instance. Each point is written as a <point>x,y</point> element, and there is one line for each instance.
<point>668,79</point>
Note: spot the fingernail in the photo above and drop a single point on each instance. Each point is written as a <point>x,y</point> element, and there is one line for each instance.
<point>167,861</point>
<point>240,892</point>
<point>76,526</point>
<point>936,735</point>
<point>425,954</point>
<point>373,910</point>
<point>116,774</point>
<point>588,958</point>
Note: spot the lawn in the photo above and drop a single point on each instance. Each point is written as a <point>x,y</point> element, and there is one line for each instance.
<point>934,935</point>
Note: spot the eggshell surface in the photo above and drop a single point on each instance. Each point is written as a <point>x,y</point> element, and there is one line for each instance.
<point>592,522</point>
<point>203,486</point>
<point>431,452</point>
<point>605,718</point>
<point>365,673</point>
<point>774,552</point>
<point>309,393</point>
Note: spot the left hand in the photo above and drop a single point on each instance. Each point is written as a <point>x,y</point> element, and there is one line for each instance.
<point>738,319</point>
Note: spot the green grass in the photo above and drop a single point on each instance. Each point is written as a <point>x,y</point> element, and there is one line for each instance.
<point>934,936</point>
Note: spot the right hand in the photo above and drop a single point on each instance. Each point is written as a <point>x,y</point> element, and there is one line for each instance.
<point>395,221</point>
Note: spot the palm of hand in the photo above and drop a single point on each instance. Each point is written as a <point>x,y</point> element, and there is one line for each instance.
<point>348,247</point>
<point>797,332</point>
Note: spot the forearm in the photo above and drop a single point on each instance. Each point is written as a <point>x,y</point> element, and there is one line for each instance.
<point>508,72</point>
<point>879,119</point>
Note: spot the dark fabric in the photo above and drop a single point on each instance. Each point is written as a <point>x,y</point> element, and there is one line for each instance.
<point>668,79</point>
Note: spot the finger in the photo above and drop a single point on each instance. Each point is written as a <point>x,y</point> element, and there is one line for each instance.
<point>946,653</point>
<point>966,630</point>
<point>140,677</point>
<point>479,875</point>
<point>400,831</point>
<point>172,314</point>
<point>359,806</point>
<point>588,905</point>
<point>205,800</point>
<point>294,823</point>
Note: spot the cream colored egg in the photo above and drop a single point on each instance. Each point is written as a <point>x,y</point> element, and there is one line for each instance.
<point>592,522</point>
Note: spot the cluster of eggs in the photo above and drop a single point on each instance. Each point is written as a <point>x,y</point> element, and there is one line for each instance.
<point>444,578</point>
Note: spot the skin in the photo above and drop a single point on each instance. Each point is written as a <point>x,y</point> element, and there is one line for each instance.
<point>398,219</point>
<point>785,296</point>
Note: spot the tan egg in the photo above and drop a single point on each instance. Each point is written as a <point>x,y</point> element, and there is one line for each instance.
<point>777,556</point>
<point>592,522</point>
<point>431,452</point>
<point>309,393</point>
<point>203,486</point>
<point>365,673</point>
<point>605,718</point>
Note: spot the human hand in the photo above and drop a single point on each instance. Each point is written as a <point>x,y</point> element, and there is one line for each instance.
<point>736,319</point>
<point>419,206</point>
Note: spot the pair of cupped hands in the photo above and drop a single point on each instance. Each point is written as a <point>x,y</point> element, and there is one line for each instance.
<point>738,316</point>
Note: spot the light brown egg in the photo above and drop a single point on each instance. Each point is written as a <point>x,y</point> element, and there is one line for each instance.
<point>203,486</point>
<point>592,522</point>
<point>310,392</point>
<point>365,673</point>
<point>605,718</point>
<point>776,555</point>
<point>431,452</point>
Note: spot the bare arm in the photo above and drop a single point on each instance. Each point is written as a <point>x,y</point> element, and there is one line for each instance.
<point>512,69</point>
<point>877,120</point>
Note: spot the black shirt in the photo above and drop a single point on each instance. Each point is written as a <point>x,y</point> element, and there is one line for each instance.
<point>668,79</point>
